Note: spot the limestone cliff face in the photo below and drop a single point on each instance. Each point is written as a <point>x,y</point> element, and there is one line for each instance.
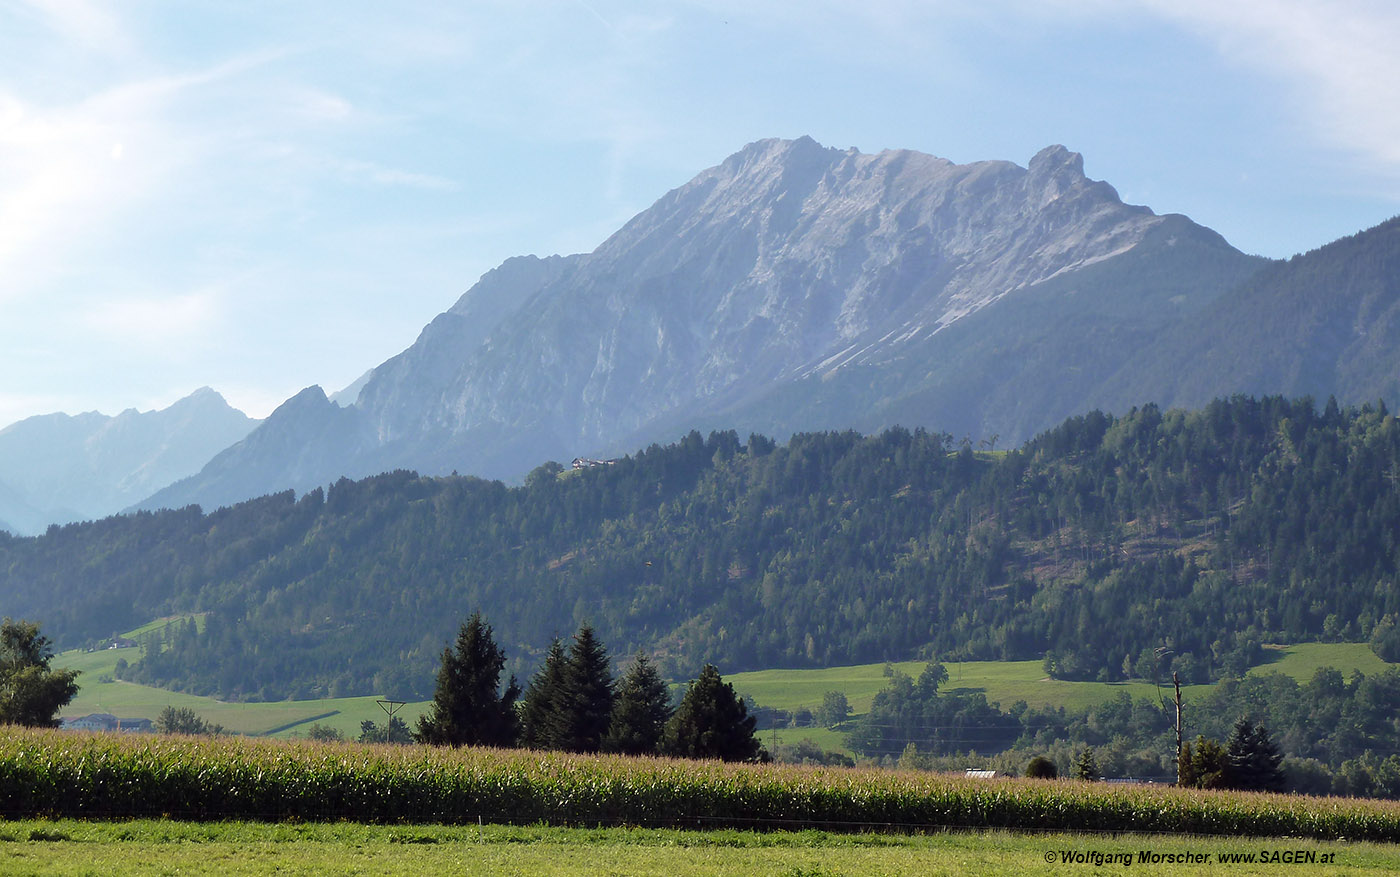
<point>744,298</point>
<point>788,259</point>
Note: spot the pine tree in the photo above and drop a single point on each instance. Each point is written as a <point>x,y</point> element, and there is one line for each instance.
<point>712,722</point>
<point>588,694</point>
<point>1254,762</point>
<point>542,713</point>
<point>468,707</point>
<point>640,711</point>
<point>1086,766</point>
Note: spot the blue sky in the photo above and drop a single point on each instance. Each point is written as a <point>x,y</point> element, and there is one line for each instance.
<point>261,196</point>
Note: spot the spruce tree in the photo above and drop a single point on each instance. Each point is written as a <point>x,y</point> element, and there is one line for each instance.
<point>1254,762</point>
<point>542,713</point>
<point>640,711</point>
<point>1086,767</point>
<point>588,694</point>
<point>468,707</point>
<point>712,722</point>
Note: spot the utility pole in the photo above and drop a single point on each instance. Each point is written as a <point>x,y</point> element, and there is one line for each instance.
<point>390,707</point>
<point>1176,684</point>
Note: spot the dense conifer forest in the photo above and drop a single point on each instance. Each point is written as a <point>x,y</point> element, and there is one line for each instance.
<point>1210,532</point>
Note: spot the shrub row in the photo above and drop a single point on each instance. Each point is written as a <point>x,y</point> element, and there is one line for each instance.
<point>97,776</point>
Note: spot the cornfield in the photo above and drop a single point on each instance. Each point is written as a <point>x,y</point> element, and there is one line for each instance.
<point>103,776</point>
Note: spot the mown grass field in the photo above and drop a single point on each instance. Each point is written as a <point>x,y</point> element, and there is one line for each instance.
<point>1302,660</point>
<point>1006,682</point>
<point>67,847</point>
<point>1002,681</point>
<point>277,718</point>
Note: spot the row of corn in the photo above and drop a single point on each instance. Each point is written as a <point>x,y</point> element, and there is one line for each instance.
<point>105,776</point>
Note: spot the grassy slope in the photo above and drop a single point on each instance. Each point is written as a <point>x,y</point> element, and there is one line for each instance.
<point>1301,661</point>
<point>129,700</point>
<point>1003,682</point>
<point>162,623</point>
<point>1006,682</point>
<point>162,847</point>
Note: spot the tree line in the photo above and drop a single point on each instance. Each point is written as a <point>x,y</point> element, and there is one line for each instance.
<point>1332,734</point>
<point>1209,532</point>
<point>574,704</point>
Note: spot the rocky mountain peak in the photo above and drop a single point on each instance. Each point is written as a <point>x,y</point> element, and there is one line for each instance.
<point>787,259</point>
<point>1056,159</point>
<point>786,266</point>
<point>306,403</point>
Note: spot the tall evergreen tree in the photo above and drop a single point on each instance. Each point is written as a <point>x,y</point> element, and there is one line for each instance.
<point>712,722</point>
<point>1253,758</point>
<point>468,706</point>
<point>588,694</point>
<point>640,711</point>
<point>1086,766</point>
<point>542,715</point>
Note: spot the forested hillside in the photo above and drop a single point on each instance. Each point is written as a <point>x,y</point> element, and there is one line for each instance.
<point>1323,322</point>
<point>1210,531</point>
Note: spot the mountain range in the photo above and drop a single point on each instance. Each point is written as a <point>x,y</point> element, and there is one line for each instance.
<point>796,287</point>
<point>57,468</point>
<point>792,287</point>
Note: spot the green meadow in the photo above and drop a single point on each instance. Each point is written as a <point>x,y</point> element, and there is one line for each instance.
<point>1003,682</point>
<point>65,847</point>
<point>1006,682</point>
<point>99,692</point>
<point>1302,660</point>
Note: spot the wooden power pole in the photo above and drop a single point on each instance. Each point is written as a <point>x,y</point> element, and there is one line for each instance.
<point>1176,684</point>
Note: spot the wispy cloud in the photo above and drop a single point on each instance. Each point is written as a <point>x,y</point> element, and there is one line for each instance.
<point>92,26</point>
<point>150,156</point>
<point>1339,58</point>
<point>359,171</point>
<point>317,105</point>
<point>66,169</point>
<point>1336,60</point>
